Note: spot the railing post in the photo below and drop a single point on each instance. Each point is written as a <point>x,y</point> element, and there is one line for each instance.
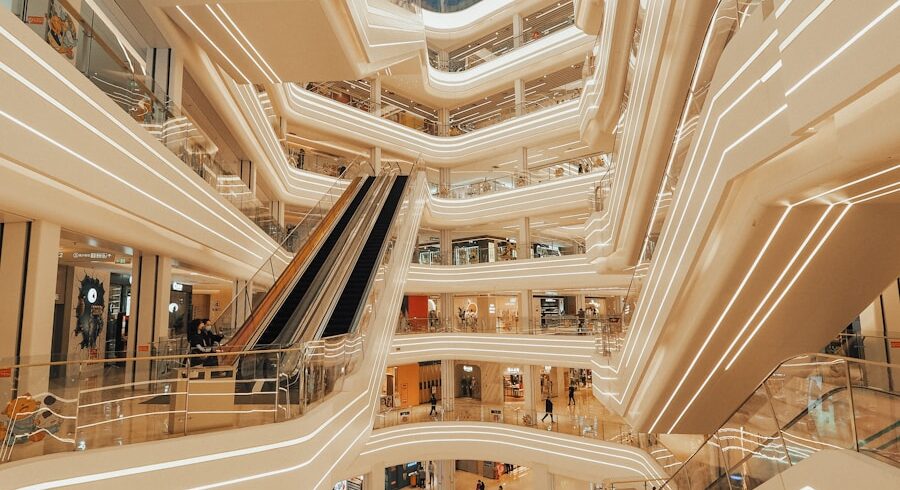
<point>852,407</point>
<point>277,383</point>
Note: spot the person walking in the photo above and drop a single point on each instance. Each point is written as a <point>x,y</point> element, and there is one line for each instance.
<point>571,394</point>
<point>433,401</point>
<point>548,408</point>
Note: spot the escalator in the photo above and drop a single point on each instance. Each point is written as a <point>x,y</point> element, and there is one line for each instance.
<point>321,292</point>
<point>353,294</point>
<point>276,326</point>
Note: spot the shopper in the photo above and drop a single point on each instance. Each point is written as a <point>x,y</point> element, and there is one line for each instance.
<point>580,321</point>
<point>433,405</point>
<point>198,343</point>
<point>548,408</point>
<point>571,394</point>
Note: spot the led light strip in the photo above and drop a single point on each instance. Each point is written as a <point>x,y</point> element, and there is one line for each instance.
<point>178,169</point>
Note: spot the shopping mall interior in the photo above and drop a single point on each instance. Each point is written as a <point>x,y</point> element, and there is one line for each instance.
<point>450,244</point>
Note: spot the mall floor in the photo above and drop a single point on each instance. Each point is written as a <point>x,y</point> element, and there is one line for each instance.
<point>577,419</point>
<point>521,479</point>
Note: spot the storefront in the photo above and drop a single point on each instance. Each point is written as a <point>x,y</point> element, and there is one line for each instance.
<point>403,476</point>
<point>468,381</point>
<point>487,313</point>
<point>513,385</point>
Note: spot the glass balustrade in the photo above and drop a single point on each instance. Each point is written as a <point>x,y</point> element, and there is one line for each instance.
<point>490,48</point>
<point>53,407</point>
<point>464,119</point>
<point>547,325</point>
<point>76,405</point>
<point>513,180</point>
<point>99,52</point>
<point>809,403</point>
<point>447,6</point>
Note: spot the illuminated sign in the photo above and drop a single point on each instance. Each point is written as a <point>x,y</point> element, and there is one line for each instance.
<point>177,286</point>
<point>468,369</point>
<point>92,255</point>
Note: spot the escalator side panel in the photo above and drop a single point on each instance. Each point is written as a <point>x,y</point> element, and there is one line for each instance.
<point>277,324</point>
<point>351,297</point>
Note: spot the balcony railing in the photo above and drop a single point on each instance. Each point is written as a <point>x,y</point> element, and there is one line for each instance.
<point>95,50</point>
<point>492,47</point>
<point>566,168</point>
<point>808,404</point>
<point>424,119</point>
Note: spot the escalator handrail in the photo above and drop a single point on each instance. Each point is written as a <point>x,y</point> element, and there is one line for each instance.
<point>380,256</point>
<point>339,262</point>
<point>269,302</point>
<point>775,370</point>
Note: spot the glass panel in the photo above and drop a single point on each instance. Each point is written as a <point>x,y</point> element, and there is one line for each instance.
<point>750,439</point>
<point>705,469</point>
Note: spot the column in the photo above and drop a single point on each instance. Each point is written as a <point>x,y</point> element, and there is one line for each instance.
<point>446,474</point>
<point>444,124</point>
<point>374,479</point>
<point>541,477</point>
<point>29,258</point>
<point>375,159</point>
<point>523,243</point>
<point>277,210</point>
<point>517,30</point>
<point>448,384</point>
<point>528,377</point>
<point>151,286</point>
<point>375,97</point>
<point>525,313</point>
<point>248,175</point>
<point>444,182</point>
<point>522,167</point>
<point>519,87</point>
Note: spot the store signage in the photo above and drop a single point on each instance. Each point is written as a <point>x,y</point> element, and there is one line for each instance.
<point>496,411</point>
<point>92,255</point>
<point>36,20</point>
<point>895,344</point>
<point>6,372</point>
<point>177,286</point>
<point>144,348</point>
<point>512,370</point>
<point>468,369</point>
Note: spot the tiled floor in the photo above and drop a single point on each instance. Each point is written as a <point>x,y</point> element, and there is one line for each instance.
<point>521,479</point>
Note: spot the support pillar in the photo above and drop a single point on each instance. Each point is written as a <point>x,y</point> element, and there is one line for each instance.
<point>29,259</point>
<point>525,313</point>
<point>374,479</point>
<point>277,210</point>
<point>444,183</point>
<point>443,123</point>
<point>528,379</point>
<point>375,97</point>
<point>523,243</point>
<point>375,159</point>
<point>519,87</point>
<point>446,474</point>
<point>443,60</point>
<point>517,26</point>
<point>541,477</point>
<point>151,286</point>
<point>248,175</point>
<point>448,384</point>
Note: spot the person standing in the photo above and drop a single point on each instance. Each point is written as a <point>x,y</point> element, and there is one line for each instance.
<point>571,394</point>
<point>433,404</point>
<point>548,408</point>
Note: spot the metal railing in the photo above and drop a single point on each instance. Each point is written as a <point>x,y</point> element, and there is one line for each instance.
<point>550,325</point>
<point>65,406</point>
<point>807,404</point>
<point>490,48</point>
<point>105,62</point>
<point>560,421</point>
<point>340,91</point>
<point>597,162</point>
